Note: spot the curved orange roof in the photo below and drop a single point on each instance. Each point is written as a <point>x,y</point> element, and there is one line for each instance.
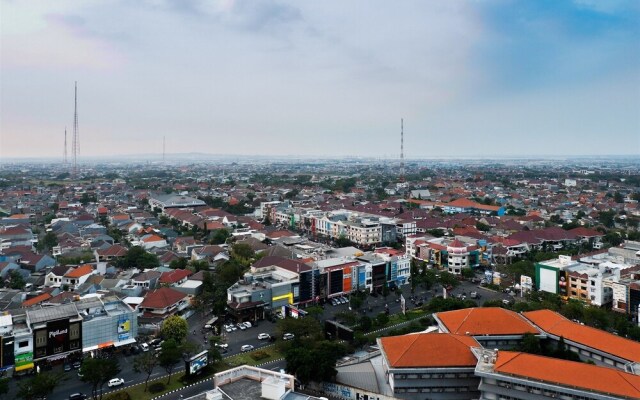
<point>558,325</point>
<point>493,321</point>
<point>429,350</point>
<point>569,373</point>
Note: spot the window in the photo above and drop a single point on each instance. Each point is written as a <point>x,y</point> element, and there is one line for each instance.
<point>24,343</point>
<point>74,331</point>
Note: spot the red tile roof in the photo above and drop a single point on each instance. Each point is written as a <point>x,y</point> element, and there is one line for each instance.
<point>162,298</point>
<point>492,321</point>
<point>36,300</point>
<point>429,350</point>
<point>80,271</point>
<point>569,373</point>
<point>558,325</point>
<point>174,276</point>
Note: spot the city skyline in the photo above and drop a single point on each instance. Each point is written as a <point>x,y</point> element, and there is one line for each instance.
<point>314,79</point>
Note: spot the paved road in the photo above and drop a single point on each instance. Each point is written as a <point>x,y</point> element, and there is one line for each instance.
<point>238,338</point>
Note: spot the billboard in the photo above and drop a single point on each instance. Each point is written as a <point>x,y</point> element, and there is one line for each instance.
<point>124,328</point>
<point>196,363</point>
<point>57,336</point>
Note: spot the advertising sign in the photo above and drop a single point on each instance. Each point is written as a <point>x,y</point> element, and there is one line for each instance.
<point>23,359</point>
<point>197,362</point>
<point>124,328</point>
<point>57,336</point>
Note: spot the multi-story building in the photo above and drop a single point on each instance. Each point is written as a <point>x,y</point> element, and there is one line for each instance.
<point>106,322</point>
<point>521,376</point>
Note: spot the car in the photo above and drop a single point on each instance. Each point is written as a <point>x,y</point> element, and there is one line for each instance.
<point>67,367</point>
<point>241,326</point>
<point>333,302</point>
<point>80,375</point>
<point>288,336</point>
<point>344,300</point>
<point>248,324</point>
<point>144,347</point>
<point>263,336</point>
<point>228,328</point>
<point>77,396</point>
<point>155,342</point>
<point>116,382</point>
<point>246,347</point>
<point>158,345</point>
<point>221,345</point>
<point>77,365</point>
<point>135,349</point>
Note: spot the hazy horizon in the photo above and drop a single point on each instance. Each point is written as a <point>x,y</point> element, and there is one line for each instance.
<point>477,80</point>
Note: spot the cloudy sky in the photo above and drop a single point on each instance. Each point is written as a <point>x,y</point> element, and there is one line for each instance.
<point>327,78</point>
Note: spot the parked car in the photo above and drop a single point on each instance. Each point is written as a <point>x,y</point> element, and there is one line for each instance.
<point>67,367</point>
<point>77,365</point>
<point>288,336</point>
<point>155,342</point>
<point>246,347</point>
<point>241,326</point>
<point>77,396</point>
<point>116,382</point>
<point>263,336</point>
<point>144,347</point>
<point>221,345</point>
<point>248,324</point>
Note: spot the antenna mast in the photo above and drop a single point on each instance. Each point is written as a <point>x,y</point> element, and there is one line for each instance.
<point>76,135</point>
<point>65,160</point>
<point>401,150</point>
<point>163,148</point>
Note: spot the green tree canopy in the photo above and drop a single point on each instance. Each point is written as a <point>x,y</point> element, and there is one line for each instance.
<point>170,356</point>
<point>137,257</point>
<point>146,363</point>
<point>175,328</point>
<point>40,386</point>
<point>98,371</point>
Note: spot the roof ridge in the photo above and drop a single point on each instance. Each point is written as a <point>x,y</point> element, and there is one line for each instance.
<point>469,311</point>
<point>416,337</point>
<point>624,375</point>
<point>505,362</point>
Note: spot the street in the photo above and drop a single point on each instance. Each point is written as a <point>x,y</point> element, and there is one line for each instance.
<point>249,336</point>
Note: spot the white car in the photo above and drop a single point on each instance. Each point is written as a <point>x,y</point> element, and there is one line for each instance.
<point>144,347</point>
<point>221,345</point>
<point>241,326</point>
<point>116,382</point>
<point>263,336</point>
<point>246,347</point>
<point>248,324</point>
<point>288,336</point>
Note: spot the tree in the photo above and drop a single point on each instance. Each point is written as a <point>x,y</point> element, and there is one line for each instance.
<point>4,385</point>
<point>169,357</point>
<point>40,386</point>
<point>17,281</point>
<point>315,362</point>
<point>137,257</point>
<point>530,344</point>
<point>49,241</point>
<point>618,197</point>
<point>145,362</point>
<point>242,253</point>
<point>219,236</point>
<point>175,328</point>
<point>179,263</point>
<point>448,279</point>
<point>99,371</point>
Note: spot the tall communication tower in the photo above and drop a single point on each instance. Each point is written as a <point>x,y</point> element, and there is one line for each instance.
<point>64,160</point>
<point>401,150</point>
<point>76,135</point>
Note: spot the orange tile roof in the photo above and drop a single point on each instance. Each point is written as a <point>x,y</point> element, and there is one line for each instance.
<point>558,325</point>
<point>429,350</point>
<point>485,321</point>
<point>35,300</point>
<point>80,271</point>
<point>569,374</point>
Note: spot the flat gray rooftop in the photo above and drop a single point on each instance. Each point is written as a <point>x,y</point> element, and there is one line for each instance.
<point>243,389</point>
<point>52,313</point>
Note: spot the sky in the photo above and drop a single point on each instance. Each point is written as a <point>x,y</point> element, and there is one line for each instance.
<point>481,79</point>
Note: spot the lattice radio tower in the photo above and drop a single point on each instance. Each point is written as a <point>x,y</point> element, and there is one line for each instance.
<point>401,150</point>
<point>64,159</point>
<point>76,134</point>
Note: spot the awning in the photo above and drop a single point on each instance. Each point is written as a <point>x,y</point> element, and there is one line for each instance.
<point>55,358</point>
<point>105,344</point>
<point>124,342</point>
<point>90,348</point>
<point>25,366</point>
